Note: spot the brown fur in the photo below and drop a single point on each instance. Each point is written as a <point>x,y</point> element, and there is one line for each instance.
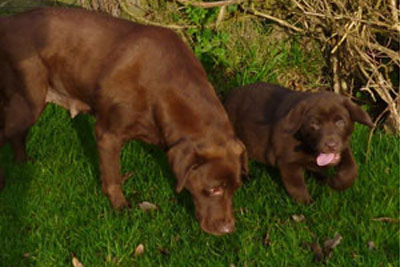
<point>289,129</point>
<point>140,82</point>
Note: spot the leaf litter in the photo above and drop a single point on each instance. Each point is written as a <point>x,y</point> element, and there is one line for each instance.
<point>147,206</point>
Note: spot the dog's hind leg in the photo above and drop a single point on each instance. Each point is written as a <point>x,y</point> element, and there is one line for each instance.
<point>18,120</point>
<point>27,96</point>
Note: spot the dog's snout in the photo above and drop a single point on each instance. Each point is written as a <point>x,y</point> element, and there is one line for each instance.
<point>226,227</point>
<point>331,145</point>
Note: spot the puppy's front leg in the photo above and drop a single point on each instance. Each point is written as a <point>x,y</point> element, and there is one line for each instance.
<point>346,172</point>
<point>292,177</point>
<point>109,146</point>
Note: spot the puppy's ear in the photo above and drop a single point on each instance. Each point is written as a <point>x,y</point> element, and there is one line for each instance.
<point>244,161</point>
<point>294,119</point>
<point>239,149</point>
<point>358,114</point>
<point>182,158</point>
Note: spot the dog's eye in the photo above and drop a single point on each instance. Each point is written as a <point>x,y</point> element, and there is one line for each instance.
<point>314,124</point>
<point>340,123</point>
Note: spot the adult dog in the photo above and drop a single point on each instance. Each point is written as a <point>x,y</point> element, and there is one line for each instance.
<point>140,82</point>
<point>297,131</point>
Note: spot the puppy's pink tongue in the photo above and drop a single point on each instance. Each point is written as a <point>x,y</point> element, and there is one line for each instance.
<point>324,159</point>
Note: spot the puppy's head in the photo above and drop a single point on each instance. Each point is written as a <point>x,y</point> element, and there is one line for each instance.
<point>211,174</point>
<point>324,124</point>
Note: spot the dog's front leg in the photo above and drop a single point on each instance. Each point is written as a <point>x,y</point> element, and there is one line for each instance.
<point>292,177</point>
<point>109,146</point>
<point>346,172</point>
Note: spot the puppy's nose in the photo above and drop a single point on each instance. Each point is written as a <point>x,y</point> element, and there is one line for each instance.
<point>226,227</point>
<point>331,145</point>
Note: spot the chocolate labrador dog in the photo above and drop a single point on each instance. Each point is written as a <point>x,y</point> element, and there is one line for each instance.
<point>297,131</point>
<point>140,82</point>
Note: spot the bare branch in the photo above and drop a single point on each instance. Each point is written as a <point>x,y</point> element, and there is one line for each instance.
<point>209,4</point>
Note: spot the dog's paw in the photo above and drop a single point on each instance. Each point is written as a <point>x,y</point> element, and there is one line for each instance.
<point>339,184</point>
<point>1,183</point>
<point>303,198</point>
<point>120,204</point>
<point>22,158</point>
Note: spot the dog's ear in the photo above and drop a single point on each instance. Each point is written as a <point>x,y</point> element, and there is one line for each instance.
<point>244,161</point>
<point>358,114</point>
<point>294,119</point>
<point>182,158</point>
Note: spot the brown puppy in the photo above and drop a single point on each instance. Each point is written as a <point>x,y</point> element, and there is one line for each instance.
<point>297,131</point>
<point>140,82</point>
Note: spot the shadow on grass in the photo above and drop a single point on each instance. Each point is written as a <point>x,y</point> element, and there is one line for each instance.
<point>18,177</point>
<point>84,127</point>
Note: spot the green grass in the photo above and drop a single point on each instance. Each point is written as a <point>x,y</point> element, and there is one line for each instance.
<point>53,207</point>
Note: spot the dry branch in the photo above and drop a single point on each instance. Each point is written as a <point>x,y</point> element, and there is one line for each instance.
<point>356,37</point>
<point>359,39</point>
<point>210,4</point>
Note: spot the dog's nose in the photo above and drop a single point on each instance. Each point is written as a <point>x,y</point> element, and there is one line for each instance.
<point>331,145</point>
<point>226,227</point>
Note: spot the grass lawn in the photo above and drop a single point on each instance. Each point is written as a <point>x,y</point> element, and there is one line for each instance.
<point>52,207</point>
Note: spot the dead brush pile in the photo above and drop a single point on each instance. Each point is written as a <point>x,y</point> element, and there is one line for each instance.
<point>359,39</point>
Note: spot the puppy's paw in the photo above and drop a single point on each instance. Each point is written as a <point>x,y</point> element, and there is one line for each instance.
<point>340,184</point>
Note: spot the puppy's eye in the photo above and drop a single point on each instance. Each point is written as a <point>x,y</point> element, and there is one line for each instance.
<point>314,124</point>
<point>340,123</point>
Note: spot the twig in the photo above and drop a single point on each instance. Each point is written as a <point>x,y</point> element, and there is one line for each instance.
<point>279,21</point>
<point>340,17</point>
<point>395,15</point>
<point>220,16</point>
<point>371,132</point>
<point>384,94</point>
<point>4,3</point>
<point>145,21</point>
<point>343,38</point>
<point>209,4</point>
<point>390,53</point>
<point>385,219</point>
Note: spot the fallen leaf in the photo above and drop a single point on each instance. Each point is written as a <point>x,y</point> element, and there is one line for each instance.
<point>267,241</point>
<point>371,245</point>
<point>139,250</point>
<point>76,262</point>
<point>305,245</point>
<point>332,243</point>
<point>319,256</point>
<point>298,217</point>
<point>164,251</point>
<point>147,206</point>
<point>385,219</point>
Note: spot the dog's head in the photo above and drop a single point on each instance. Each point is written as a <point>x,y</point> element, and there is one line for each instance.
<point>324,124</point>
<point>212,174</point>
